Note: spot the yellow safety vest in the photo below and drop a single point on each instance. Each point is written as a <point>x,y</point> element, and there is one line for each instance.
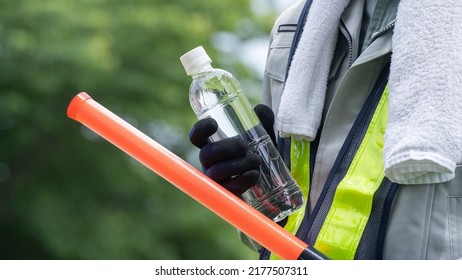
<point>350,208</point>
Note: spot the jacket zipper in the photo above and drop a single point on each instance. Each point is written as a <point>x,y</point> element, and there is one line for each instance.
<point>349,39</point>
<point>379,33</point>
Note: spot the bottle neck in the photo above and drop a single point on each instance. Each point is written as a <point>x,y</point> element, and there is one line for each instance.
<point>203,68</point>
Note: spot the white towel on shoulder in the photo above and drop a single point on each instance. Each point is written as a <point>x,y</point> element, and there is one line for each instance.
<point>423,140</point>
<point>303,97</point>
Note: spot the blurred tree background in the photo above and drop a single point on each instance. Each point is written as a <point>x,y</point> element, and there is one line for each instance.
<point>65,193</point>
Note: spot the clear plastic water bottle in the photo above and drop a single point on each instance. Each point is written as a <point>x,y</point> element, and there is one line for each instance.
<point>215,93</point>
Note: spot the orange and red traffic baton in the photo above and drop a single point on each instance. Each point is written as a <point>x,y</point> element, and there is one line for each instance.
<point>188,179</point>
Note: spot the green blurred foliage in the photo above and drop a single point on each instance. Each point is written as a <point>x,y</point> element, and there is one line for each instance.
<point>65,193</point>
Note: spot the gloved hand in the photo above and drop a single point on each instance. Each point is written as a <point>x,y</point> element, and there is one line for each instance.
<point>227,161</point>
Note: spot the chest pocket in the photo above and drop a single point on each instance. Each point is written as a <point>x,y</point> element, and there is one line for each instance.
<point>279,52</point>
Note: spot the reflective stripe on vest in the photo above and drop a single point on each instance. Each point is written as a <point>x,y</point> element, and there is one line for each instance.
<point>349,212</point>
<point>345,223</point>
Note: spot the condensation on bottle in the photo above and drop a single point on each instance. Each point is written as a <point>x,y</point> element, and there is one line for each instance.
<point>216,93</point>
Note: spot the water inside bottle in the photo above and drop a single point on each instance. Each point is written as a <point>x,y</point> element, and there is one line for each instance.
<point>276,193</point>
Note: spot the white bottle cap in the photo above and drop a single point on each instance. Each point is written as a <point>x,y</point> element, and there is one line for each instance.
<point>194,59</point>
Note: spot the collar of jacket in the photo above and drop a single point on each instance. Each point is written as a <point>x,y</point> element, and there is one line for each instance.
<point>367,29</point>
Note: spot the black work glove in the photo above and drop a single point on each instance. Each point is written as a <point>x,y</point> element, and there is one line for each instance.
<point>227,161</point>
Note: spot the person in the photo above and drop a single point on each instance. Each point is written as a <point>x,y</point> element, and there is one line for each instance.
<point>370,89</point>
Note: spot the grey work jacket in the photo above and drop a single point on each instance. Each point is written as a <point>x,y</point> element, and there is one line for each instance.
<point>426,220</point>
